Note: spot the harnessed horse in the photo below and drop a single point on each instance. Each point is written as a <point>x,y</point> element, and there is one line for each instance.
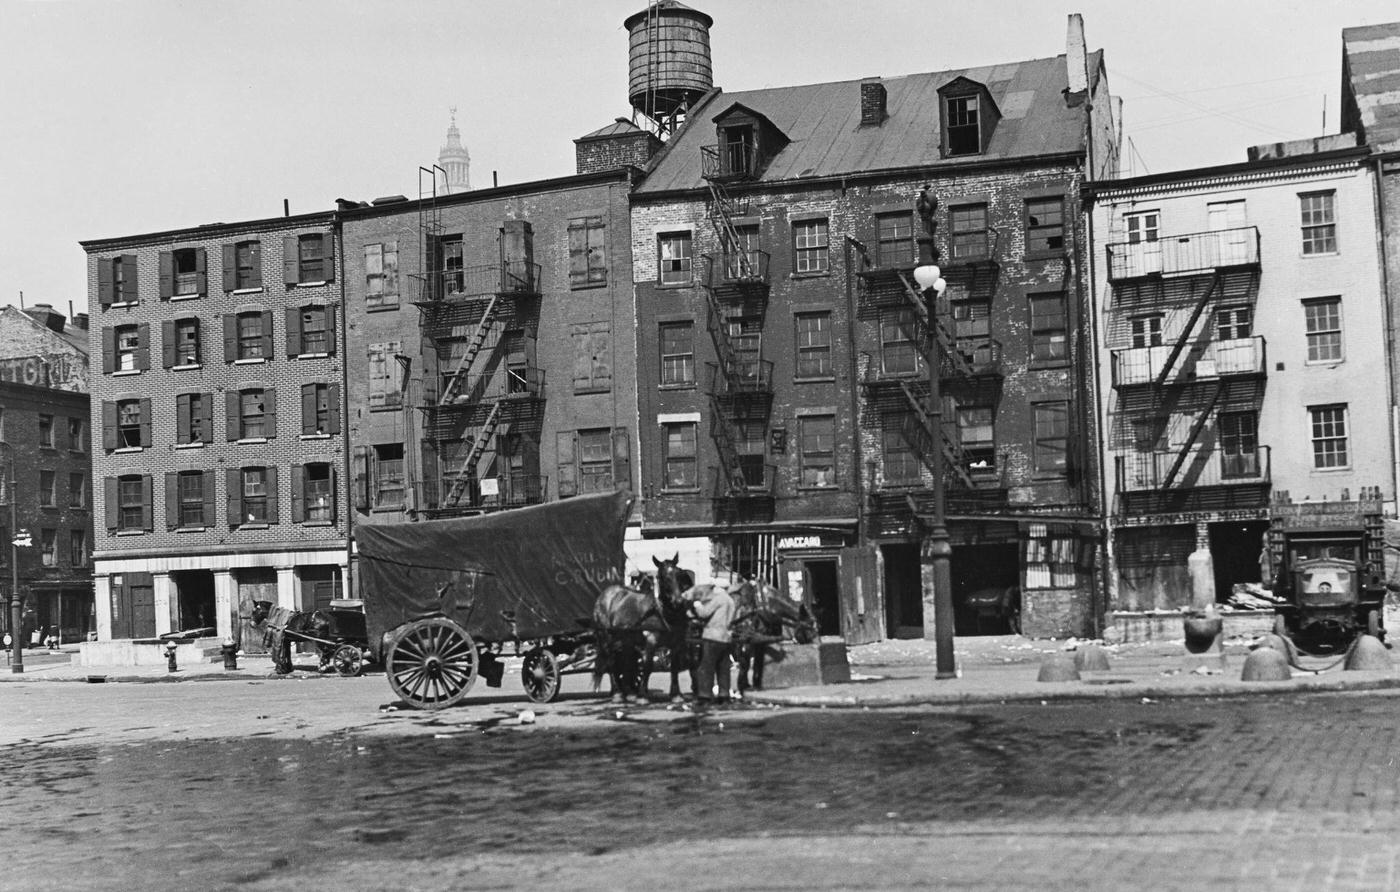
<point>673,583</point>
<point>622,618</point>
<point>763,616</point>
<point>317,625</point>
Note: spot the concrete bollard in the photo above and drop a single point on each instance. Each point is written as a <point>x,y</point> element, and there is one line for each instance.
<point>1367,653</point>
<point>1265,664</point>
<point>1058,667</point>
<point>1091,658</point>
<point>1280,644</point>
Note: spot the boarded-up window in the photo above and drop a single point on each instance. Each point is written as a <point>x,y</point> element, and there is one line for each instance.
<point>382,275</point>
<point>592,357</point>
<point>588,256</point>
<point>384,392</point>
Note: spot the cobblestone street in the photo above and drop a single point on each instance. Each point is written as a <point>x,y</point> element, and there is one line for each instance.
<point>280,785</point>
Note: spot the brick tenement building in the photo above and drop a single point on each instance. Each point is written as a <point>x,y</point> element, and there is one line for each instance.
<point>783,348</point>
<point>216,424</point>
<point>491,347</point>
<point>1243,342</point>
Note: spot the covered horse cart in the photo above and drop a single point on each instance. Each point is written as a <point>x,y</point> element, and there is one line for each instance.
<point>447,600</point>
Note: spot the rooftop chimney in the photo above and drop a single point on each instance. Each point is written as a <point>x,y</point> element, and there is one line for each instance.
<point>1076,60</point>
<point>47,316</point>
<point>872,103</point>
<point>80,321</point>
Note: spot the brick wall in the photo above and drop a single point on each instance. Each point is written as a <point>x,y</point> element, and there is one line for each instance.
<point>610,153</point>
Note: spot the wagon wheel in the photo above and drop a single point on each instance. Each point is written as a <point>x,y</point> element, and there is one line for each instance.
<point>348,660</point>
<point>539,672</point>
<point>432,663</point>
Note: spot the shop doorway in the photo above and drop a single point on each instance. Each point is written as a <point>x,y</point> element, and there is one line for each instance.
<point>1234,551</point>
<point>904,596</point>
<point>194,593</point>
<point>986,593</point>
<point>826,596</point>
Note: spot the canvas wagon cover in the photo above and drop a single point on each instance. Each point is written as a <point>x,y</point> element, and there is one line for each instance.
<point>526,573</point>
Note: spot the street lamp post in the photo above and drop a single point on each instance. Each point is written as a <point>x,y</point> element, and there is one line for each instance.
<point>936,551</point>
<point>16,645</point>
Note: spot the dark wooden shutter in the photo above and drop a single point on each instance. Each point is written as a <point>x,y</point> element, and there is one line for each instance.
<point>147,504</point>
<point>255,250</point>
<point>602,356</point>
<point>206,417</point>
<point>167,343</point>
<point>333,401</point>
<point>167,274</point>
<point>290,257</point>
<point>270,413</point>
<point>335,496</point>
<point>328,257</point>
<point>201,272</point>
<point>230,267</point>
<point>110,504</point>
<point>182,418</point>
<point>129,292</point>
<point>578,253</point>
<point>109,349</point>
<point>360,468</point>
<point>233,484</point>
<point>272,516</point>
<point>597,251</point>
<point>267,333</point>
<point>105,289</point>
<point>230,337</point>
<point>293,331</point>
<point>308,409</point>
<point>583,356</point>
<point>109,425</point>
<point>145,422</point>
<point>206,489</point>
<point>298,495</point>
<point>622,458</point>
<point>143,347</point>
<point>330,329</point>
<point>233,414</point>
<point>567,464</point>
<point>172,500</point>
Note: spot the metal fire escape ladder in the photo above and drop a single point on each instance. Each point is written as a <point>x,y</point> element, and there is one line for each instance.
<point>723,348</point>
<point>429,228</point>
<point>1196,427</point>
<point>734,481</point>
<point>953,459</point>
<point>466,471</point>
<point>721,209</point>
<point>934,322</point>
<point>483,328</point>
<point>1180,346</point>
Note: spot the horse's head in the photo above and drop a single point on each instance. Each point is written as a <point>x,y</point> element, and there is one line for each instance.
<point>260,612</point>
<point>671,581</point>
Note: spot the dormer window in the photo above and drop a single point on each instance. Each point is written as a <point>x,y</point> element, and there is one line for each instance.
<point>747,141</point>
<point>738,151</point>
<point>964,135</point>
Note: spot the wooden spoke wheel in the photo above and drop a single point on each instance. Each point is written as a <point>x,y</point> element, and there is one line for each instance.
<point>348,660</point>
<point>540,674</point>
<point>432,663</point>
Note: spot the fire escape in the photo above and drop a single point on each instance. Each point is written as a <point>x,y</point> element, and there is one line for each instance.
<point>1188,373</point>
<point>736,288</point>
<point>897,388</point>
<point>483,418</point>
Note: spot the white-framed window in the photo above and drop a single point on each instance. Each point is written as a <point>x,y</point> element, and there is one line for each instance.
<point>809,246</point>
<point>681,453</point>
<point>817,439</point>
<point>1329,436</point>
<point>677,353</point>
<point>1323,317</point>
<point>1147,330</point>
<point>813,344</point>
<point>1319,222</point>
<point>1141,226</point>
<point>674,258</point>
<point>1232,323</point>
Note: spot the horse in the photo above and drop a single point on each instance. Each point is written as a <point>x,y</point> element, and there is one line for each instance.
<point>622,617</point>
<point>762,616</point>
<point>316,624</point>
<point>674,583</point>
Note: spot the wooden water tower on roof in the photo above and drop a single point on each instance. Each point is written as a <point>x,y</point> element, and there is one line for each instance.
<point>668,61</point>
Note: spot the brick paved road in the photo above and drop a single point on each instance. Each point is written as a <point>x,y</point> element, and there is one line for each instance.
<point>1267,793</point>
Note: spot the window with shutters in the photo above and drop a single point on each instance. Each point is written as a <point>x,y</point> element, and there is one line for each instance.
<point>1051,446</point>
<point>595,460</point>
<point>116,281</point>
<point>252,415</point>
<point>131,503</point>
<point>255,491</point>
<point>384,392</point>
<point>677,354</point>
<point>185,269</point>
<point>674,260</point>
<point>129,424</point>
<point>46,431</point>
<point>813,345</point>
<point>48,489</point>
<point>817,438</point>
<point>77,489</point>
<point>315,331</point>
<point>190,488</point>
<point>187,353</point>
<point>247,265</point>
<point>193,419</point>
<point>588,258</point>
<point>1045,226</point>
<point>681,472</point>
<point>809,247</point>
<point>128,349</point>
<point>388,475</point>
<point>320,410</point>
<point>382,276</point>
<point>313,258</point>
<point>250,335</point>
<point>78,548</point>
<point>317,495</point>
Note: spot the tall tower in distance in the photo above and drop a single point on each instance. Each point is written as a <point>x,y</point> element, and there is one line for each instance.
<point>454,159</point>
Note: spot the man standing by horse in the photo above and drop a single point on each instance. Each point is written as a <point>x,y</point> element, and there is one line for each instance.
<point>716,608</point>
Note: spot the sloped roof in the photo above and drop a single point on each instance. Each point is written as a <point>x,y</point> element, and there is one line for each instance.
<point>1372,57</point>
<point>823,123</point>
<point>619,127</point>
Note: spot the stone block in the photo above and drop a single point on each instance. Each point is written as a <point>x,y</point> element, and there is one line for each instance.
<point>790,665</point>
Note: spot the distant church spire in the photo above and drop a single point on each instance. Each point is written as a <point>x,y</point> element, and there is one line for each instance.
<point>454,159</point>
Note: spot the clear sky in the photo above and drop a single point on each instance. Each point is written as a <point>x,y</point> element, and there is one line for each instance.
<point>131,117</point>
